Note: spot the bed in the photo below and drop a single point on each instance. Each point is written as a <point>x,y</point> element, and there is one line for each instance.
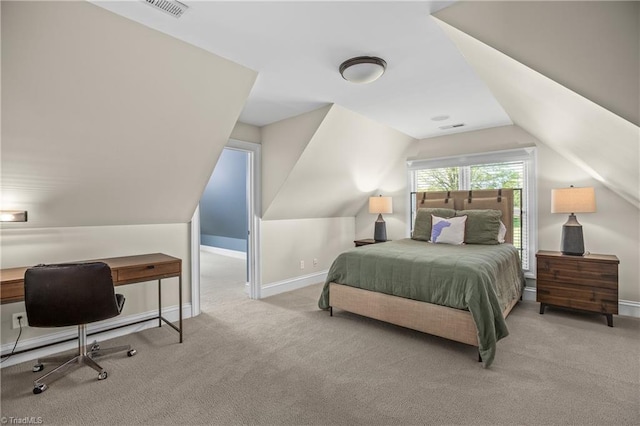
<point>462,292</point>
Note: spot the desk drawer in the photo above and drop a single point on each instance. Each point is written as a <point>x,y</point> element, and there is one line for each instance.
<point>12,292</point>
<point>150,271</point>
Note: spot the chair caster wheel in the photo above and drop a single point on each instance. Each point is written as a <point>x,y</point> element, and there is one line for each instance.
<point>36,368</point>
<point>95,347</point>
<point>102,375</point>
<point>39,388</point>
<point>131,352</point>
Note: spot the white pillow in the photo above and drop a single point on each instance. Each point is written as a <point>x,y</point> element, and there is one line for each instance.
<point>502,232</point>
<point>448,231</point>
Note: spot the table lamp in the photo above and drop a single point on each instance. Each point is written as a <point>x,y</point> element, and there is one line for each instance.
<point>380,205</point>
<point>573,200</point>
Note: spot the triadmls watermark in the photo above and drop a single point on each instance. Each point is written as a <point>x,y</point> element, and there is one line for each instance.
<point>24,420</point>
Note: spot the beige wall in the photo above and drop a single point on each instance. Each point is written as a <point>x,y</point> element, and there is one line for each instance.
<point>286,242</point>
<point>247,133</point>
<point>319,170</point>
<point>395,185</point>
<point>24,247</point>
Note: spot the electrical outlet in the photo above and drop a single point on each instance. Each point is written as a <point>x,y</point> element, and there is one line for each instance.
<point>23,319</point>
<point>315,262</point>
<point>302,264</point>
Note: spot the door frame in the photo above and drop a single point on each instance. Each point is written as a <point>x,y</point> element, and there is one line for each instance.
<point>254,209</point>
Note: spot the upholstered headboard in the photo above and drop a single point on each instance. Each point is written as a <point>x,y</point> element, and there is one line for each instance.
<point>495,199</point>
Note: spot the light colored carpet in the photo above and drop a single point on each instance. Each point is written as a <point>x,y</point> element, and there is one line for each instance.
<point>282,361</point>
<point>222,280</point>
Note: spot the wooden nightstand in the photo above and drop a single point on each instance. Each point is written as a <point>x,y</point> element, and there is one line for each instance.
<point>367,241</point>
<point>586,283</point>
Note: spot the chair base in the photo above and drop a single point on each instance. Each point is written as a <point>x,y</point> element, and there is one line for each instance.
<point>85,356</point>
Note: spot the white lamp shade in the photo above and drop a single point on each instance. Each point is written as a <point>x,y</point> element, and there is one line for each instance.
<point>380,205</point>
<point>573,200</point>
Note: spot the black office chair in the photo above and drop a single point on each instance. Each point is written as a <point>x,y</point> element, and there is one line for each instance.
<point>72,294</point>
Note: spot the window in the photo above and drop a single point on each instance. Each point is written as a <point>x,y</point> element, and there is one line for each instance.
<point>503,169</point>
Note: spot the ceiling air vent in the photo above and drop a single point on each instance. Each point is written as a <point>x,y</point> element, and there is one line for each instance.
<point>451,126</point>
<point>172,7</point>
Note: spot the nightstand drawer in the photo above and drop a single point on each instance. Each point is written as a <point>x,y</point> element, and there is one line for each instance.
<point>578,272</point>
<point>602,300</point>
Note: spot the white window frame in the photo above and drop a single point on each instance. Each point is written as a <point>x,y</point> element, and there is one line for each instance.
<point>528,155</point>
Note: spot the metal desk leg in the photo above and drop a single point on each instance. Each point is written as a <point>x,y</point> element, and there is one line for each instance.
<point>159,303</point>
<point>180,303</point>
<point>161,318</point>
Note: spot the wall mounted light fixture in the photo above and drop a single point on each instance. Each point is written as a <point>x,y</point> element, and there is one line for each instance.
<point>13,215</point>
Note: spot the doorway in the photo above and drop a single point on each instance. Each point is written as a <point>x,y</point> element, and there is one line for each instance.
<point>229,240</point>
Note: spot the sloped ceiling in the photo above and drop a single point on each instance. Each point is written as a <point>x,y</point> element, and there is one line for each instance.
<point>590,47</point>
<point>332,173</point>
<point>283,143</point>
<point>585,133</point>
<point>105,121</point>
<point>345,161</point>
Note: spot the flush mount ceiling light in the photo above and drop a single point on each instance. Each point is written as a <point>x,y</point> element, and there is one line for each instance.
<point>363,69</point>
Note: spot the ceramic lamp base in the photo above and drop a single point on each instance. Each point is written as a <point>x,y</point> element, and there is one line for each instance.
<point>380,233</point>
<point>572,243</point>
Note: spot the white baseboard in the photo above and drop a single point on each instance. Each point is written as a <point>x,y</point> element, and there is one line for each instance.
<point>171,314</point>
<point>293,284</point>
<point>529,294</point>
<point>627,308</point>
<point>224,252</point>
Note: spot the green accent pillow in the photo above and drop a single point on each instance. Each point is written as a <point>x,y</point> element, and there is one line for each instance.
<point>422,225</point>
<point>482,226</point>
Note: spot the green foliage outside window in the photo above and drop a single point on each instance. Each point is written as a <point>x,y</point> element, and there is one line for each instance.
<point>484,176</point>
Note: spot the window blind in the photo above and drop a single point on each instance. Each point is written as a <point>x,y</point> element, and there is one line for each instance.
<point>478,172</point>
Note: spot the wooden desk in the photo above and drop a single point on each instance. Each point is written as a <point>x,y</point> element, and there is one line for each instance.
<point>124,270</point>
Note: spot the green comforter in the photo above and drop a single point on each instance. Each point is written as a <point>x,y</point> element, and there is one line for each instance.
<point>480,278</point>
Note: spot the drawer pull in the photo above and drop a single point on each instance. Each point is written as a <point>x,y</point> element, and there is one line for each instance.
<point>151,266</point>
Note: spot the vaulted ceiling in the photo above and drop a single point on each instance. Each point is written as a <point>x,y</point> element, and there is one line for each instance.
<point>106,121</point>
<point>296,47</point>
<point>590,47</point>
<point>346,158</point>
<point>575,85</point>
<point>567,119</point>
